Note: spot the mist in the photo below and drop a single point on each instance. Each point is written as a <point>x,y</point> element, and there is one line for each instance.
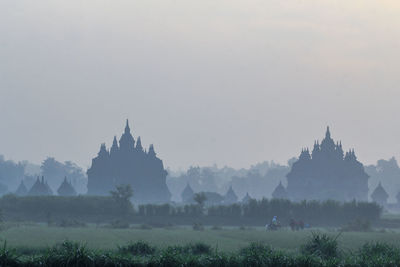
<point>226,82</point>
<point>204,133</point>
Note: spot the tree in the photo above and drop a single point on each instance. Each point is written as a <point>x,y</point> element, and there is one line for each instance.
<point>55,171</point>
<point>200,198</point>
<point>122,195</point>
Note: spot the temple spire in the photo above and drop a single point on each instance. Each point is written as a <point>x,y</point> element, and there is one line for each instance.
<point>139,144</point>
<point>151,152</point>
<point>103,151</point>
<point>328,133</point>
<point>126,142</point>
<point>114,147</point>
<point>127,129</point>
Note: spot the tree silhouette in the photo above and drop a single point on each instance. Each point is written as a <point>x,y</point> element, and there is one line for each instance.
<point>122,195</point>
<point>200,198</point>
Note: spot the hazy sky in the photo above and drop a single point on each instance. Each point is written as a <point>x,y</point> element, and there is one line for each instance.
<point>233,82</point>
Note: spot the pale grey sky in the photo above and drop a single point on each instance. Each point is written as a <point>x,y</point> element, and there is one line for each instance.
<point>232,82</point>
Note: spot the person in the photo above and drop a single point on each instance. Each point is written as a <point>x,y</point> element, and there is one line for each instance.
<point>275,221</point>
<point>274,225</point>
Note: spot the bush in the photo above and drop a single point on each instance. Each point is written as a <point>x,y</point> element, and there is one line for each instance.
<point>119,224</point>
<point>321,245</point>
<point>198,227</point>
<point>378,249</point>
<point>105,208</point>
<point>216,227</point>
<point>8,257</point>
<point>160,224</point>
<point>49,208</point>
<point>145,227</point>
<point>258,254</point>
<point>198,248</point>
<point>196,255</point>
<point>379,254</point>
<point>68,254</point>
<point>139,248</point>
<point>255,248</point>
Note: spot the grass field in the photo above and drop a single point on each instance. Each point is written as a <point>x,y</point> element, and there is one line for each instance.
<point>36,236</point>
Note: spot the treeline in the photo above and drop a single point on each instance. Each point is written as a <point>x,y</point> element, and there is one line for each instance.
<point>53,208</point>
<point>258,181</point>
<point>12,173</point>
<point>101,209</point>
<point>258,212</point>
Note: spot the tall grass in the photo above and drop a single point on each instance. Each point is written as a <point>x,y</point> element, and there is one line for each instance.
<point>319,250</point>
<point>321,245</point>
<point>8,257</point>
<point>139,248</point>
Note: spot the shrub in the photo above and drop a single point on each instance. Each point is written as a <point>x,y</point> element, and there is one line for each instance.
<point>369,250</point>
<point>68,254</point>
<point>119,224</point>
<point>198,227</point>
<point>379,254</point>
<point>139,248</point>
<point>216,227</point>
<point>8,257</point>
<point>105,208</point>
<point>145,227</point>
<point>255,248</point>
<point>198,248</point>
<point>160,224</point>
<point>169,258</point>
<point>257,254</point>
<point>199,254</point>
<point>321,245</point>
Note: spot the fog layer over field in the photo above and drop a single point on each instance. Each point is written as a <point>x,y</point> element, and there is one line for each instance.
<point>226,82</point>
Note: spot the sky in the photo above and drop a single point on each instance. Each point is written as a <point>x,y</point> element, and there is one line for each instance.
<point>231,82</point>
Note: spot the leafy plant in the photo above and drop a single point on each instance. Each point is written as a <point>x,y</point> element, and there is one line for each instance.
<point>321,245</point>
<point>8,257</point>
<point>69,253</point>
<point>200,198</point>
<point>198,248</point>
<point>121,196</point>
<point>140,248</point>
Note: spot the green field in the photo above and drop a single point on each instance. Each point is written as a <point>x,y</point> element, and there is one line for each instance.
<point>25,237</point>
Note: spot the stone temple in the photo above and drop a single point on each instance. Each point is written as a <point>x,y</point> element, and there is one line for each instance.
<point>327,173</point>
<point>127,163</point>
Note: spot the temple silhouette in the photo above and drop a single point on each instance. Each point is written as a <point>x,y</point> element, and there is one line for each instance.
<point>66,189</point>
<point>380,195</point>
<point>188,194</point>
<point>129,164</point>
<point>279,192</point>
<point>327,173</point>
<point>230,197</point>
<point>40,188</point>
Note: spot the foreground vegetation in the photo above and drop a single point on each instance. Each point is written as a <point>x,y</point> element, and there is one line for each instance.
<point>29,238</point>
<point>319,249</point>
